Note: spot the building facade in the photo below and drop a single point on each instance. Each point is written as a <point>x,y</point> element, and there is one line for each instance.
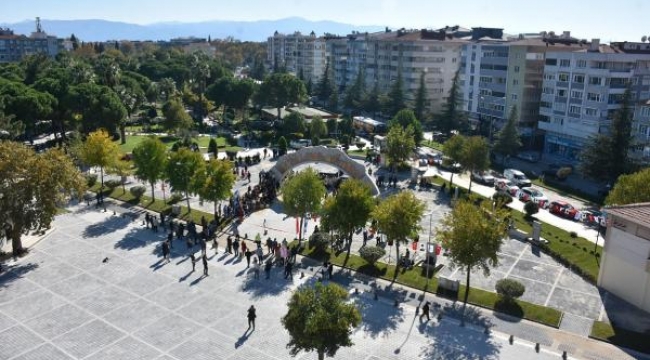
<point>625,265</point>
<point>582,90</point>
<point>14,47</point>
<point>641,132</point>
<point>301,55</point>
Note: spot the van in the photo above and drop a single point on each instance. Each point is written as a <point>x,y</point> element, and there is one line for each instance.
<point>517,177</point>
<point>299,144</point>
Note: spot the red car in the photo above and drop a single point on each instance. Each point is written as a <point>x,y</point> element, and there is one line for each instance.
<point>563,209</point>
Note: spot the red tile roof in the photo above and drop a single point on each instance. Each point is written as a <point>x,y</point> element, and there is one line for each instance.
<point>638,213</point>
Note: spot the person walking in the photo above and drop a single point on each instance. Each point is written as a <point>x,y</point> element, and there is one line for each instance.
<point>269,245</point>
<point>243,247</point>
<point>165,251</point>
<point>251,317</point>
<point>256,269</point>
<point>147,219</point>
<point>267,268</point>
<point>193,259</point>
<point>170,237</point>
<point>365,236</point>
<point>235,246</point>
<point>425,311</point>
<point>248,255</point>
<point>260,254</point>
<point>229,245</point>
<point>288,273</point>
<point>215,245</point>
<point>204,258</point>
<point>330,271</point>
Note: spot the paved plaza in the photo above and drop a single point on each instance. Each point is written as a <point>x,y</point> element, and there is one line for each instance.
<point>95,288</point>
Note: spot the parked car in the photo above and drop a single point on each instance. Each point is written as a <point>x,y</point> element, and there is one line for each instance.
<point>445,163</point>
<point>483,177</point>
<point>506,186</point>
<point>593,217</point>
<point>299,144</point>
<point>517,177</point>
<point>563,209</point>
<point>534,195</point>
<point>528,156</point>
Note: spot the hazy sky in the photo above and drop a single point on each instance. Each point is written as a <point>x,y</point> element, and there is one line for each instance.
<point>606,19</point>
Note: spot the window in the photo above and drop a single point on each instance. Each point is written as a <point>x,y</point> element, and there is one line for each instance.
<point>591,112</point>
<point>575,94</point>
<point>561,92</point>
<point>558,121</point>
<point>580,79</point>
<point>485,92</point>
<point>548,90</point>
<point>513,96</point>
<point>563,77</point>
<point>594,80</point>
<point>593,97</point>
<point>549,76</point>
<point>551,62</point>
<point>559,106</point>
<point>545,104</point>
<point>581,63</point>
<point>516,69</point>
<point>515,82</point>
<point>565,63</point>
<point>645,111</point>
<point>574,110</point>
<point>486,79</point>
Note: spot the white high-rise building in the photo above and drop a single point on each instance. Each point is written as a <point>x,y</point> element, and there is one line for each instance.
<point>301,55</point>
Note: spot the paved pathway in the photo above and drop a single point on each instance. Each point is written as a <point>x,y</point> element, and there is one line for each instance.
<point>94,288</point>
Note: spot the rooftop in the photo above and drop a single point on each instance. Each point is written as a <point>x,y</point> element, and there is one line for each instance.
<point>638,213</point>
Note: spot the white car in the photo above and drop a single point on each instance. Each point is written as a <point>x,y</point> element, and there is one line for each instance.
<point>482,177</point>
<point>506,186</point>
<point>534,195</point>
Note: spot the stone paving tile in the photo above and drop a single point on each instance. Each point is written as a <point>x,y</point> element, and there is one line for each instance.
<point>143,283</point>
<point>88,338</point>
<point>78,286</point>
<point>126,349</point>
<point>217,309</point>
<point>52,272</point>
<point>250,353</point>
<point>13,286</point>
<point>575,303</point>
<point>6,322</point>
<point>136,315</point>
<point>205,345</point>
<point>537,271</point>
<point>571,281</point>
<point>576,324</point>
<point>44,352</point>
<point>116,270</point>
<point>59,321</point>
<point>16,340</point>
<point>535,290</point>
<point>168,332</point>
<point>174,295</point>
<point>32,304</point>
<point>105,300</point>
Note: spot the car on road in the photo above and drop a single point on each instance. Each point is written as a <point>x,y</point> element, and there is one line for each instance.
<point>563,209</point>
<point>534,195</point>
<point>506,186</point>
<point>482,177</point>
<point>517,177</point>
<point>593,217</point>
<point>299,144</point>
<point>528,156</point>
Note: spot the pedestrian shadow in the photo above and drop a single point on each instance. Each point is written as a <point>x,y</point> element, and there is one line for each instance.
<point>262,287</point>
<point>108,225</point>
<point>379,318</point>
<point>242,339</point>
<point>186,276</point>
<point>198,280</point>
<point>158,264</point>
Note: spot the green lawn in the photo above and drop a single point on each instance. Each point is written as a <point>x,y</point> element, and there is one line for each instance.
<point>620,337</point>
<point>432,144</point>
<point>133,140</point>
<point>416,278</point>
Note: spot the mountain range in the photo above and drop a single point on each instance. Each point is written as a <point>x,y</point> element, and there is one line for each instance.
<point>104,30</point>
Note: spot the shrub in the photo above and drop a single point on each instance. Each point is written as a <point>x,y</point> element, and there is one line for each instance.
<point>510,289</point>
<point>360,145</point>
<point>345,140</point>
<point>175,198</point>
<point>91,179</point>
<point>319,241</point>
<point>372,253</point>
<point>137,191</point>
<point>573,234</point>
<point>315,141</point>
<point>531,208</point>
<point>501,198</point>
<point>282,145</point>
<point>112,184</point>
<point>563,173</point>
<point>212,147</point>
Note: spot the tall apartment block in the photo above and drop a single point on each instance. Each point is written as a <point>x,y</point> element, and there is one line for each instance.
<point>14,47</point>
<point>382,55</point>
<point>501,72</point>
<point>298,54</point>
<point>582,91</point>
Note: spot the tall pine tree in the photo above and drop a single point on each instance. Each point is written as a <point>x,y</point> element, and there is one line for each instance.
<point>396,94</point>
<point>421,100</point>
<point>453,117</point>
<point>508,140</point>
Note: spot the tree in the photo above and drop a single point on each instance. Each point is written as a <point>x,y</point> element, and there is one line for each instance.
<point>454,149</point>
<point>350,209</point>
<point>396,95</point>
<point>420,105</point>
<point>176,118</point>
<point>531,208</point>
<point>473,235</point>
<point>166,87</point>
<point>213,148</point>
<point>453,117</point>
<point>215,182</point>
<point>509,289</point>
<point>333,127</point>
<point>132,96</point>
<point>371,102</point>
<point>280,89</point>
<point>150,159</point>
<point>475,155</point>
<point>97,106</point>
<point>32,187</point>
<point>398,217</point>
<point>302,193</point>
<point>26,104</point>
<point>9,128</point>
<point>317,128</point>
<point>294,123</point>
<point>406,118</point>
<point>333,101</point>
<point>400,143</point>
<point>354,94</point>
<point>282,145</point>
<point>325,86</point>
<point>630,189</point>
<point>320,319</point>
<point>182,167</point>
<point>99,150</point>
<point>508,140</point>
<point>605,156</point>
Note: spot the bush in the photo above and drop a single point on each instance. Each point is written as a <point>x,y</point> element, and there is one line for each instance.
<point>563,173</point>
<point>510,289</point>
<point>360,145</point>
<point>573,234</point>
<point>501,198</point>
<point>282,145</point>
<point>531,208</point>
<point>137,191</point>
<point>175,198</point>
<point>345,140</point>
<point>212,147</point>
<point>372,253</point>
<point>319,241</point>
<point>91,179</point>
<point>315,141</point>
<point>112,184</point>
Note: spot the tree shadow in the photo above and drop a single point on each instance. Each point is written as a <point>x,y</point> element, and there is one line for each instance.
<point>105,226</point>
<point>262,287</point>
<point>379,318</point>
<point>466,313</point>
<point>134,239</point>
<point>450,343</point>
<point>508,307</point>
<point>11,273</point>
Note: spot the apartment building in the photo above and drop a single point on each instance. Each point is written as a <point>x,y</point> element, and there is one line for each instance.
<point>14,47</point>
<point>301,55</point>
<point>582,90</point>
<point>641,132</point>
<point>383,55</point>
<point>501,72</point>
